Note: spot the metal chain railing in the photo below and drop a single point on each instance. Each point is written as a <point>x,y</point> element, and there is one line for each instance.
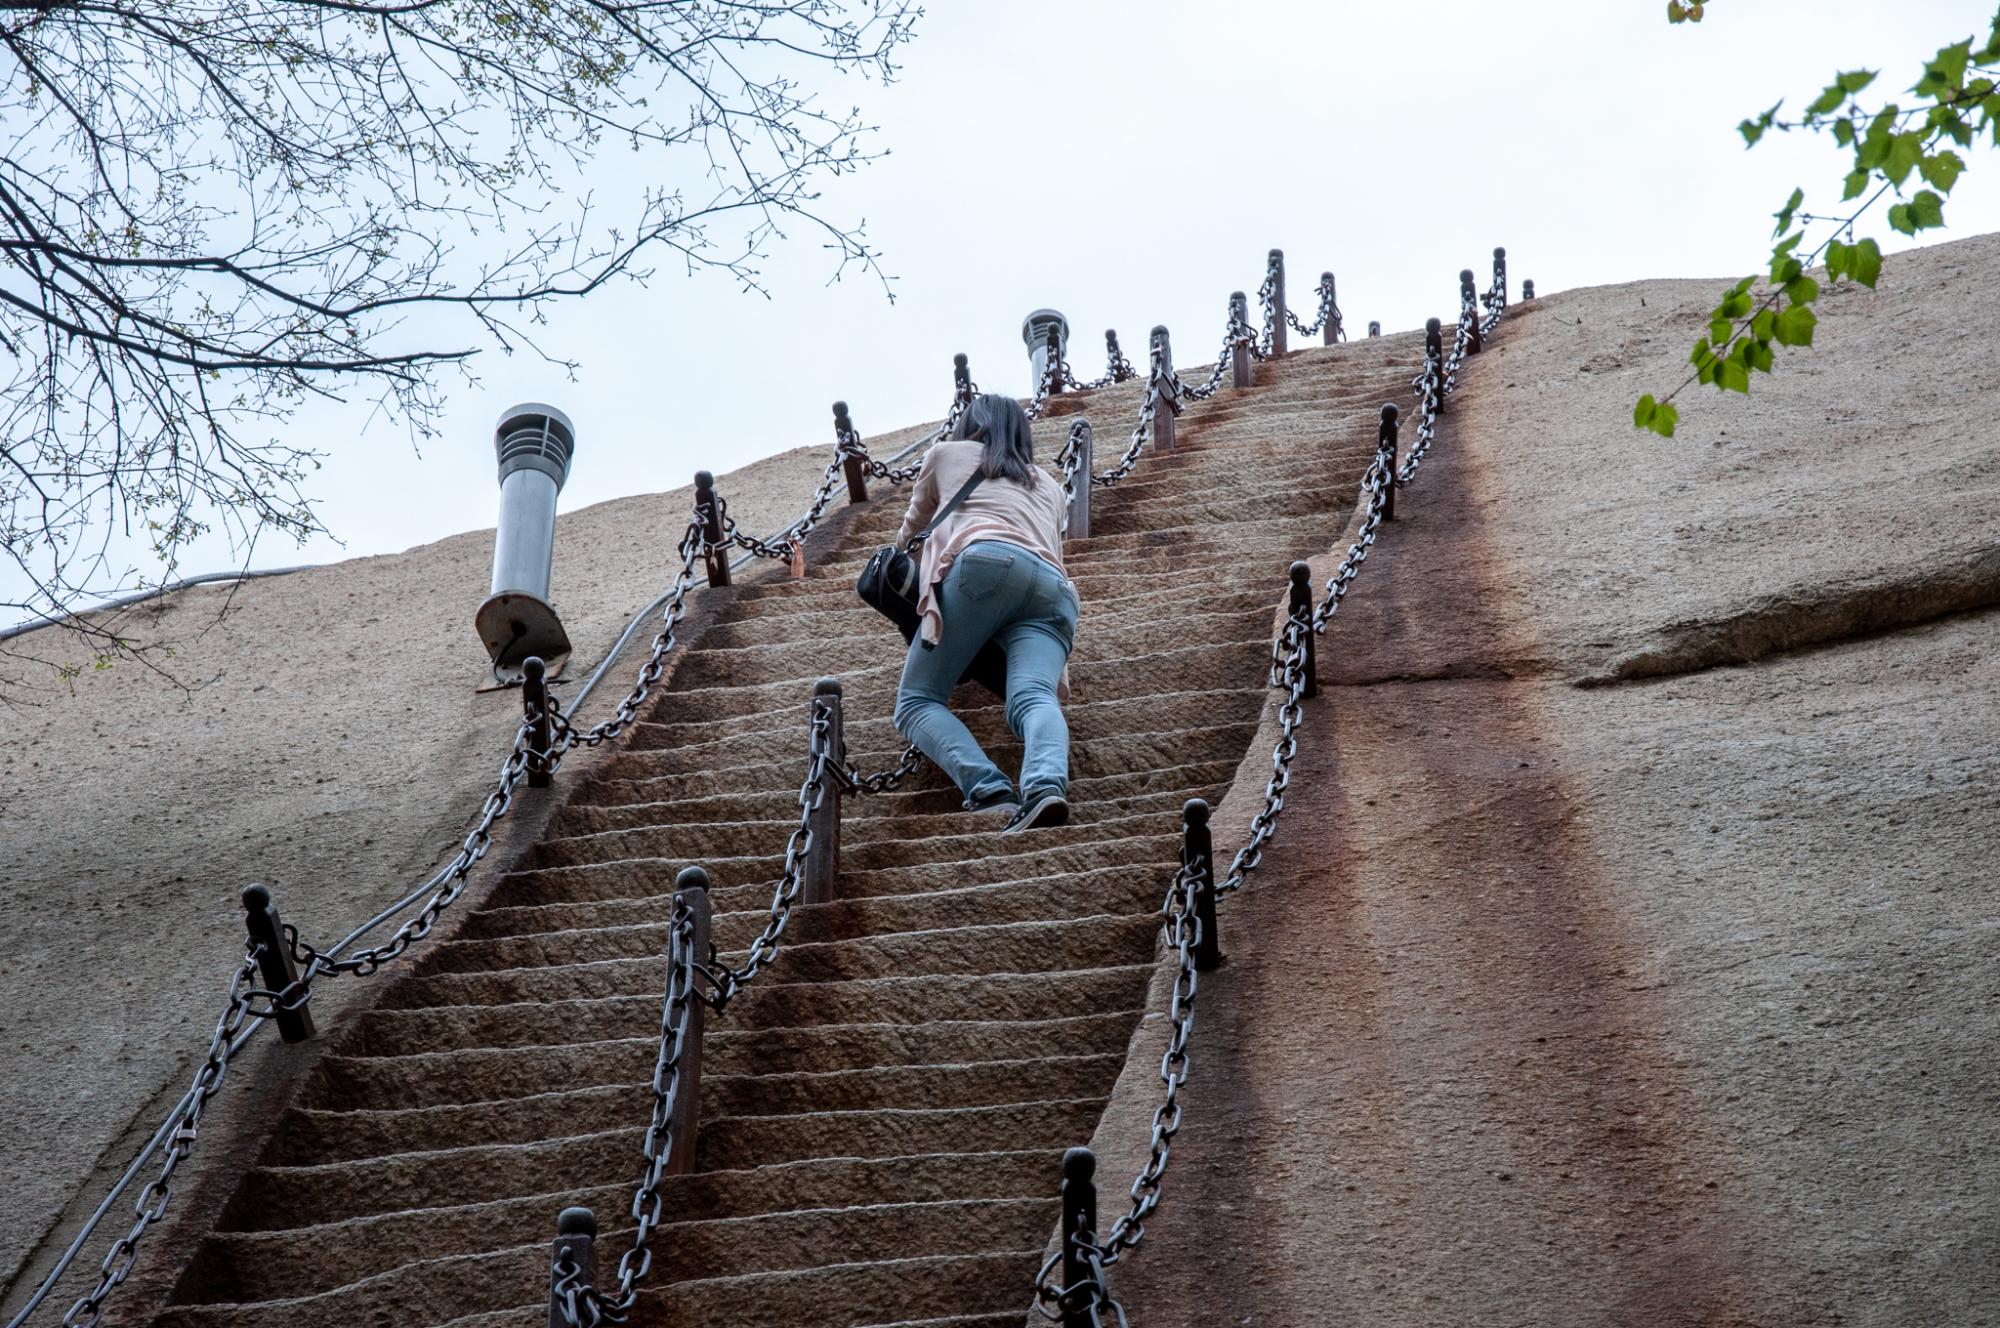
<point>1291,674</point>
<point>1327,309</point>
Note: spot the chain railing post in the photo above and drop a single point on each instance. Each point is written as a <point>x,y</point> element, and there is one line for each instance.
<point>961,379</point>
<point>1198,855</point>
<point>1275,271</point>
<point>1055,352</point>
<point>1079,499</point>
<point>691,884</point>
<point>708,509</point>
<point>575,1249</point>
<point>274,962</point>
<point>1240,338</point>
<point>535,701</point>
<point>1500,274</point>
<point>843,434</point>
<point>1374,328</point>
<point>1468,298</point>
<point>1386,448</point>
<point>1301,612</point>
<point>1163,383</point>
<point>1527,291</point>
<point>1329,332</point>
<point>1115,358</point>
<point>822,866</point>
<point>1079,1225</point>
<point>1434,358</point>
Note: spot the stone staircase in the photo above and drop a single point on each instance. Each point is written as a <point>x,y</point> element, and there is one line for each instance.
<point>883,1111</point>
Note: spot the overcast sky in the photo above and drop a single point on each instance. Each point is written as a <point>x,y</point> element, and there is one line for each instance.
<point>1130,162</point>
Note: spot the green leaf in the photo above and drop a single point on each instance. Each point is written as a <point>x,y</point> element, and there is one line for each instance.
<point>1867,264</point>
<point>1838,256</point>
<point>1786,270</point>
<point>1736,306</point>
<point>1784,214</point>
<point>1733,377</point>
<point>1743,286</point>
<point>1843,132</point>
<point>1857,181</point>
<point>1856,80</point>
<point>1751,131</point>
<point>1644,411</point>
<point>1795,326</point>
<point>1927,210</point>
<point>1946,71</point>
<point>1718,329</point>
<point>1899,219</point>
<point>1905,151</point>
<point>1760,356</point>
<point>1827,101</point>
<point>1802,290</point>
<point>1664,420</point>
<point>1764,325</point>
<point>1874,148</point>
<point>1942,169</point>
<point>1676,12</point>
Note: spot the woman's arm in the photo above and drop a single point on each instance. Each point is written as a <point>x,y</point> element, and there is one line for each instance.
<point>923,500</point>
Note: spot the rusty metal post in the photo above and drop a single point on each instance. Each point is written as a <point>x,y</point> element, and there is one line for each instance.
<point>1301,611</point>
<point>1079,500</point>
<point>822,867</point>
<point>843,431</point>
<point>1198,853</point>
<point>1274,266</point>
<point>691,884</point>
<point>1079,1225</point>
<point>535,701</point>
<point>1114,358</point>
<point>274,962</point>
<point>575,1245</point>
<point>1527,290</point>
<point>1386,449</point>
<point>1374,328</point>
<point>1239,347</point>
<point>1500,273</point>
<point>1163,381</point>
<point>1329,332</point>
<point>709,509</point>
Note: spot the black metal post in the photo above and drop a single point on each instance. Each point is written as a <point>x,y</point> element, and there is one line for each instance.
<point>1198,853</point>
<point>1163,372</point>
<point>1301,612</point>
<point>1434,358</point>
<point>1114,358</point>
<point>1055,360</point>
<point>575,1246</point>
<point>1079,1226</point>
<point>1374,328</point>
<point>1500,274</point>
<point>709,508</point>
<point>1079,500</point>
<point>1468,298</point>
<point>850,464</point>
<point>1527,290</point>
<point>274,962</point>
<point>822,866</point>
<point>1385,446</point>
<point>535,701</point>
<point>1329,331</point>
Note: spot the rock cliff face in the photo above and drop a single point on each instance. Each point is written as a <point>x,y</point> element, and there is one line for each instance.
<point>1627,949</point>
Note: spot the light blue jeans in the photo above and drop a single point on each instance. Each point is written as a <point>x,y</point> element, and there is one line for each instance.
<point>995,591</point>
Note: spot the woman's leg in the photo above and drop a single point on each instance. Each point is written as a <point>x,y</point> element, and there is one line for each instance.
<point>1038,645</point>
<point>922,714</point>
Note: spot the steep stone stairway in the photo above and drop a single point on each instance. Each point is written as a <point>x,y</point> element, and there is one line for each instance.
<point>882,1111</point>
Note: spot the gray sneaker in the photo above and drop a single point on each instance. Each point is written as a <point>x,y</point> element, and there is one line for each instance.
<point>1039,811</point>
<point>1001,806</point>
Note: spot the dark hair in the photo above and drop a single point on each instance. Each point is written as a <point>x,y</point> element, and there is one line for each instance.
<point>998,421</point>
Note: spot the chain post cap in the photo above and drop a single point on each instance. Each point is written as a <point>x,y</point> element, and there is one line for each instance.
<point>576,1222</point>
<point>1499,251</point>
<point>1390,411</point>
<point>1326,278</point>
<point>827,687</point>
<point>691,878</point>
<point>1375,328</point>
<point>1079,1164</point>
<point>1238,297</point>
<point>1433,326</point>
<point>1465,276</point>
<point>959,361</point>
<point>532,669</point>
<point>703,482</point>
<point>1195,812</point>
<point>1302,572</point>
<point>1110,336</point>
<point>1276,256</point>
<point>256,898</point>
<point>840,410</point>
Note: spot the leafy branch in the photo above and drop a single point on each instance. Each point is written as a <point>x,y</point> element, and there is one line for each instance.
<point>1894,148</point>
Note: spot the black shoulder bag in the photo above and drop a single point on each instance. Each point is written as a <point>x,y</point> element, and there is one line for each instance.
<point>889,584</point>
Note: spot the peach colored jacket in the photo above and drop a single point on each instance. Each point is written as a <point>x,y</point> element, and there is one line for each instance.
<point>1029,515</point>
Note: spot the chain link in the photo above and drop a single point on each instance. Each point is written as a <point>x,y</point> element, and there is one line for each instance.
<point>884,781</point>
<point>1327,309</point>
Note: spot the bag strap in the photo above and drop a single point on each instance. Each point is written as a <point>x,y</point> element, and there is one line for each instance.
<point>950,507</point>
